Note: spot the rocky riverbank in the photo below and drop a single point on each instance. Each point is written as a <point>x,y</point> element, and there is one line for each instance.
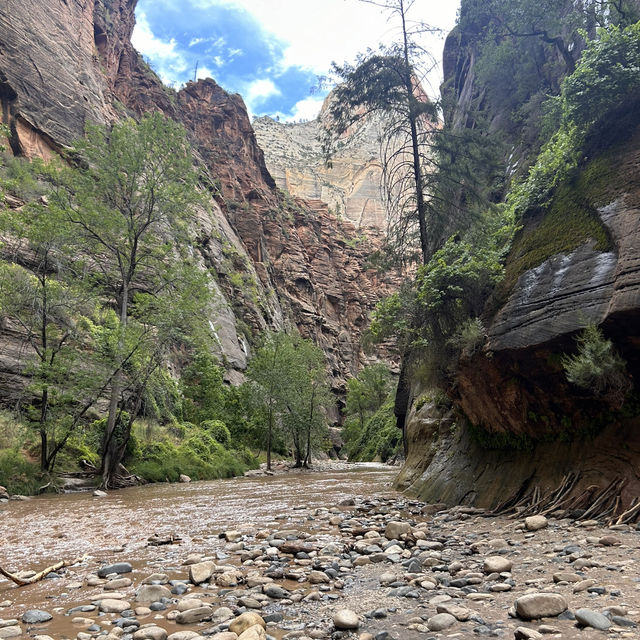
<point>367,568</point>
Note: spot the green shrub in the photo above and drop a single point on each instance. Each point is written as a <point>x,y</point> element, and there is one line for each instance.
<point>379,440</point>
<point>11,430</point>
<point>606,75</point>
<point>597,367</point>
<point>17,474</point>
<point>470,337</point>
<point>200,456</point>
<point>217,430</point>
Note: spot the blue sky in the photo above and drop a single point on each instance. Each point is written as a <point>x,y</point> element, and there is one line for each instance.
<point>269,51</point>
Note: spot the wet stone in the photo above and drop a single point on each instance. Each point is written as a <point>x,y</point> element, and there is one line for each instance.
<point>118,567</point>
<point>246,620</point>
<point>620,621</point>
<point>594,619</point>
<point>113,606</point>
<point>523,633</point>
<point>36,616</point>
<point>126,622</point>
<point>346,619</point>
<point>440,621</point>
<point>540,605</point>
<point>150,633</point>
<point>496,564</point>
<point>535,523</point>
<point>85,608</point>
<point>196,614</point>
<point>152,593</point>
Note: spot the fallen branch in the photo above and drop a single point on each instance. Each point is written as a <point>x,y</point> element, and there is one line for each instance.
<point>21,582</point>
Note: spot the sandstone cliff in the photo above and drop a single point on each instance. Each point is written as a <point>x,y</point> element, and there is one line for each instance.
<point>351,186</point>
<point>518,430</point>
<point>277,262</point>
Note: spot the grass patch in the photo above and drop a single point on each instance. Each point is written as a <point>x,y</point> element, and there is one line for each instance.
<point>191,451</point>
<point>12,431</point>
<point>18,474</point>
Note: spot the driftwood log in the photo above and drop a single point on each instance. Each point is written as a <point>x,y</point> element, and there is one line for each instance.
<point>21,582</point>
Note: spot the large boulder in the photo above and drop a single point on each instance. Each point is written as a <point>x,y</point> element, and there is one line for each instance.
<point>540,605</point>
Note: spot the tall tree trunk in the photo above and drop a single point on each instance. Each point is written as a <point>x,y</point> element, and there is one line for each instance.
<point>44,445</point>
<point>307,458</point>
<point>269,432</point>
<point>415,148</point>
<point>110,459</point>
<point>44,398</point>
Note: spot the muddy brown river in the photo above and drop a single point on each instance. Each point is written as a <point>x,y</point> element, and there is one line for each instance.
<point>39,532</point>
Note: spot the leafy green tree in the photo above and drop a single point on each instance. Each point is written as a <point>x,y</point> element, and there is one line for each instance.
<point>269,375</point>
<point>367,392</point>
<point>288,382</point>
<point>387,82</point>
<point>307,399</point>
<point>129,201</point>
<point>203,389</point>
<point>44,295</point>
<point>432,312</point>
<point>606,76</point>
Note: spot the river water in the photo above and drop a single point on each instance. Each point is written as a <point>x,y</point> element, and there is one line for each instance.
<point>39,532</point>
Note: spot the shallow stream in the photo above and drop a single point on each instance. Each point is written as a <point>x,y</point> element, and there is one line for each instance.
<point>44,530</point>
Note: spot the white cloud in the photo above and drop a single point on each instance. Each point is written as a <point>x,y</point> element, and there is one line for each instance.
<point>144,39</point>
<point>317,33</point>
<point>306,109</point>
<point>194,41</point>
<point>258,91</point>
<point>204,72</point>
<point>166,60</point>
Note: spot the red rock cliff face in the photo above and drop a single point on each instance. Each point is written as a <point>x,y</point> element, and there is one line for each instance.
<point>522,430</point>
<point>64,64</point>
<point>314,262</point>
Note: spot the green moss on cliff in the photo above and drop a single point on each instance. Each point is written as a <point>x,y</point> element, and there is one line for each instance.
<point>571,220</point>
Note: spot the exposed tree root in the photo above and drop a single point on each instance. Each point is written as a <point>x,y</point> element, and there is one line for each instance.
<point>593,503</point>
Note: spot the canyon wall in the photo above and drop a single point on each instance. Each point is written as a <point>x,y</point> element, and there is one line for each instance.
<point>514,426</point>
<point>276,262</point>
<point>350,185</point>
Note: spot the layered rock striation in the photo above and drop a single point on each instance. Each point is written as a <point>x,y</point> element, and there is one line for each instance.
<point>276,262</point>
<point>350,186</point>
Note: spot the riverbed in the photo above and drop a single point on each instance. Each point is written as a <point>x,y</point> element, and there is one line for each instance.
<point>38,532</point>
<point>335,555</point>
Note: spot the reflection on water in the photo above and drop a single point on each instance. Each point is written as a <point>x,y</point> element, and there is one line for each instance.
<point>46,529</point>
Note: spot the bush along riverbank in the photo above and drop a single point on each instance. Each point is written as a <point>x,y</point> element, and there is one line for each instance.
<point>154,454</point>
